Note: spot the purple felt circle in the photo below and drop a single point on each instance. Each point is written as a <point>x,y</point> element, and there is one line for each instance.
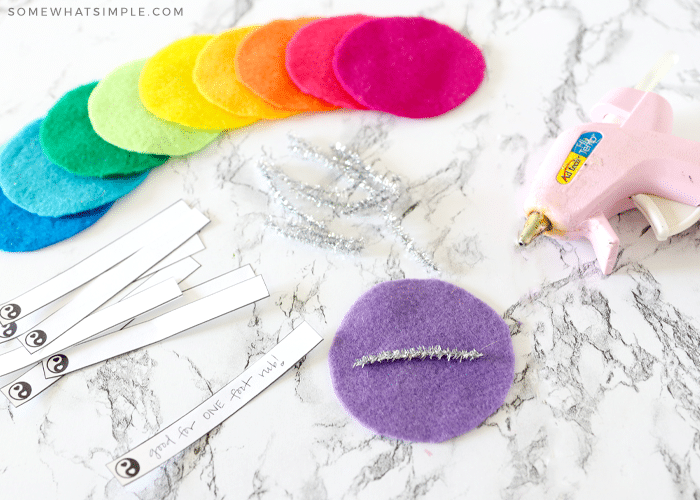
<point>309,59</point>
<point>427,400</point>
<point>408,66</point>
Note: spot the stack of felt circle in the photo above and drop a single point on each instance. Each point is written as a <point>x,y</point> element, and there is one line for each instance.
<point>42,203</point>
<point>61,173</point>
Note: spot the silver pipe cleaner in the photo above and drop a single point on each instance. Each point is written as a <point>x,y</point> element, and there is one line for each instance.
<point>382,192</point>
<point>421,353</point>
<point>310,230</point>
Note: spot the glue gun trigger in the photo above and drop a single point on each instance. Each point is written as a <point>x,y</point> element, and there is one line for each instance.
<point>604,241</point>
<point>666,217</point>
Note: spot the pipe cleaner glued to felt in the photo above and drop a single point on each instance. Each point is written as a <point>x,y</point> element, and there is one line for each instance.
<point>32,182</point>
<point>22,231</point>
<point>215,77</point>
<point>119,117</point>
<point>68,140</point>
<point>423,399</point>
<point>260,65</point>
<point>408,66</point>
<point>167,90</point>
<point>309,59</point>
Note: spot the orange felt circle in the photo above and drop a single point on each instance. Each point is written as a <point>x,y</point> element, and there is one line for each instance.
<point>215,77</point>
<point>260,66</point>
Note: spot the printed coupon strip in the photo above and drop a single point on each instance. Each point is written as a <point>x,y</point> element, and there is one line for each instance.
<point>30,384</point>
<point>27,386</point>
<point>177,271</point>
<point>224,403</point>
<point>188,295</point>
<point>13,330</point>
<point>92,266</point>
<point>187,249</point>
<point>99,290</point>
<point>160,328</point>
<point>38,382</point>
<point>94,324</point>
<point>7,347</point>
<point>199,292</point>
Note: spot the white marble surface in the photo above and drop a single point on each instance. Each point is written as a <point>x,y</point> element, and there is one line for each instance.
<point>606,401</point>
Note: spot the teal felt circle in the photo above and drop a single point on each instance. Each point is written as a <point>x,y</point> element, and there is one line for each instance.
<point>32,182</point>
<point>68,140</point>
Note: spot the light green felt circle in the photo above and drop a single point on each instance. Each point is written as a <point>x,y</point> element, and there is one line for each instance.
<point>118,116</point>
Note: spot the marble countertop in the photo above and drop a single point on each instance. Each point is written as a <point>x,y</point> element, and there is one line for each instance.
<point>606,398</point>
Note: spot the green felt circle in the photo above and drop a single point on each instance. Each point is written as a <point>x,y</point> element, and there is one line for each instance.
<point>119,117</point>
<point>68,140</point>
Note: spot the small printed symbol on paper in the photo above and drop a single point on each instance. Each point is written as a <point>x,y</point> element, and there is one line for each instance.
<point>127,468</point>
<point>9,330</point>
<point>20,391</point>
<point>10,311</point>
<point>57,363</point>
<point>36,338</point>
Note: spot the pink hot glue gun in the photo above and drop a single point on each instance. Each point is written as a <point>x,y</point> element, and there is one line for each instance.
<point>625,158</point>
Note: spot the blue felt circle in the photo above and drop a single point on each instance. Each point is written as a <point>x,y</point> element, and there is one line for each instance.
<point>33,182</point>
<point>22,231</point>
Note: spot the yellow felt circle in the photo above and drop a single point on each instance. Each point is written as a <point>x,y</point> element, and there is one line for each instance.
<point>167,90</point>
<point>215,78</point>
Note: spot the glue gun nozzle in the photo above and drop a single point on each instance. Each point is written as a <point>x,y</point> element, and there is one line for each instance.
<point>535,225</point>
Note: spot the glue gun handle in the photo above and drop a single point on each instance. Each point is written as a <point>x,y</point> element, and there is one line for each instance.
<point>666,217</point>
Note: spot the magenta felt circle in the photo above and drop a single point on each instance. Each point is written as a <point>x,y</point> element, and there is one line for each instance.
<point>309,59</point>
<point>408,66</point>
<point>426,400</point>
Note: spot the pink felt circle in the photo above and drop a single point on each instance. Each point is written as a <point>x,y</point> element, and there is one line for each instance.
<point>408,66</point>
<point>309,59</point>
